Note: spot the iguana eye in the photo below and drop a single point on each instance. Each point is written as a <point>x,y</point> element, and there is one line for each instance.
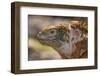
<point>52,32</point>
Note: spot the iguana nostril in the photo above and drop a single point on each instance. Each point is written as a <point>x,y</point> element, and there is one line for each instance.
<point>40,35</point>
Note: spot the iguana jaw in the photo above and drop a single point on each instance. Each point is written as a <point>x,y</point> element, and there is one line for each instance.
<point>44,37</point>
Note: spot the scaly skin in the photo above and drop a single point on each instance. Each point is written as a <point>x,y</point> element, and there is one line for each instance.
<point>65,38</point>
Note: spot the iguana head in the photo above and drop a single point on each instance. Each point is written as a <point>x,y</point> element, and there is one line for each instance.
<point>62,33</point>
<point>54,35</point>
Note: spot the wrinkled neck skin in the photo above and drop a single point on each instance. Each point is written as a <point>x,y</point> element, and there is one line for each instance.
<point>67,48</point>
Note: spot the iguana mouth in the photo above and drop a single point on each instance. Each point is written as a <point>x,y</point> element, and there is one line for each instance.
<point>45,38</point>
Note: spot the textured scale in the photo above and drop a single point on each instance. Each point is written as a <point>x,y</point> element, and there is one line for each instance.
<point>67,39</point>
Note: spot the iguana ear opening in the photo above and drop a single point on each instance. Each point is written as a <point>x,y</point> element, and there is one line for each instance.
<point>76,35</point>
<point>76,32</point>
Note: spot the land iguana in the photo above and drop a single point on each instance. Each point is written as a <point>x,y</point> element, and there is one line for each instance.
<point>68,39</point>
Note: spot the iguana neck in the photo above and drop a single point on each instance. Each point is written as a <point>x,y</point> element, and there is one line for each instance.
<point>65,50</point>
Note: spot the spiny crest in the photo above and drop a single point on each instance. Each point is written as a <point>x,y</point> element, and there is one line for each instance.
<point>75,24</point>
<point>82,25</point>
<point>64,26</point>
